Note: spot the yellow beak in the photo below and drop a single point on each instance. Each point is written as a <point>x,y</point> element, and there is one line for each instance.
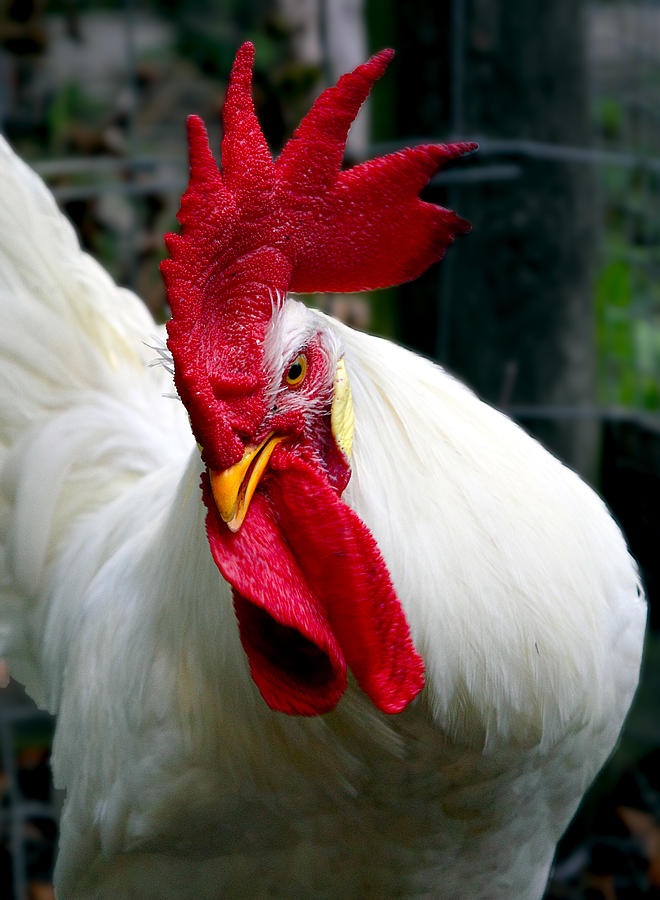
<point>233,488</point>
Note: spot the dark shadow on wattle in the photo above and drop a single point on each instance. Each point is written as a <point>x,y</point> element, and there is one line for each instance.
<point>281,649</point>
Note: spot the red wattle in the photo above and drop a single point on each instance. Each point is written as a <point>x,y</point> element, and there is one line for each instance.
<point>312,594</point>
<point>295,660</point>
<point>344,568</point>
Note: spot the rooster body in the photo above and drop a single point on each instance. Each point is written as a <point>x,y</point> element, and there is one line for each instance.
<point>518,589</point>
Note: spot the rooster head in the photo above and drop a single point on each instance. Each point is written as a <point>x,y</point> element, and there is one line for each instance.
<point>267,390</point>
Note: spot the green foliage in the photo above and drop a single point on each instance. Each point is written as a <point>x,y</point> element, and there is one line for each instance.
<point>627,289</point>
<point>71,104</point>
<point>384,318</point>
<point>628,335</point>
<point>609,117</point>
<point>614,333</point>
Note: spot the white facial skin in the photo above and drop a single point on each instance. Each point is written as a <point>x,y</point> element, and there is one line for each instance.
<point>299,407</point>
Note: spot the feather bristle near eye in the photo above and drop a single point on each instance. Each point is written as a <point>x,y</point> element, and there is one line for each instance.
<point>164,357</point>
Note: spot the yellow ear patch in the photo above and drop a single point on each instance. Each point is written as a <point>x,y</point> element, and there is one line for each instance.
<point>341,413</point>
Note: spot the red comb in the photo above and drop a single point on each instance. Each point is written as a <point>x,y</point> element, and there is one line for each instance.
<point>260,228</point>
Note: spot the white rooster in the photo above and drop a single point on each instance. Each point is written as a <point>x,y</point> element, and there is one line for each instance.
<point>266,733</point>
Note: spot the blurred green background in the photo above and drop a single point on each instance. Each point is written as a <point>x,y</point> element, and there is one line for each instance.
<point>550,309</point>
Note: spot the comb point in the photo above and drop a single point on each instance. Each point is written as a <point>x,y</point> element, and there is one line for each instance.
<point>202,163</point>
<point>241,73</point>
<point>380,61</point>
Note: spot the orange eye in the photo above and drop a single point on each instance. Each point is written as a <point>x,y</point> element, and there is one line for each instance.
<point>297,371</point>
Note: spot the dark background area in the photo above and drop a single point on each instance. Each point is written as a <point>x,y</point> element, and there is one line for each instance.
<point>550,309</point>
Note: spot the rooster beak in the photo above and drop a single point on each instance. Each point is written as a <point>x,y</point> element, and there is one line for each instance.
<point>233,488</point>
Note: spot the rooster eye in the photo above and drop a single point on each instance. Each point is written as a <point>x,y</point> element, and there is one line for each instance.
<point>297,371</point>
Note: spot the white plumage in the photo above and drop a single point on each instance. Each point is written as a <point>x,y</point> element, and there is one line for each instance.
<point>517,585</point>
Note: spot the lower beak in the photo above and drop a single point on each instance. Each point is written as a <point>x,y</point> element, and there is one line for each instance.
<point>233,488</point>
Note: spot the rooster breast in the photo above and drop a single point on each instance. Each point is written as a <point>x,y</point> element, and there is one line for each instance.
<point>526,607</point>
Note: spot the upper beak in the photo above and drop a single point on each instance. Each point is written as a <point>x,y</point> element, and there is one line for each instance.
<point>233,488</point>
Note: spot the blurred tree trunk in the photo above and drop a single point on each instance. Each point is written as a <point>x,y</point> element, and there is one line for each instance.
<point>515,318</point>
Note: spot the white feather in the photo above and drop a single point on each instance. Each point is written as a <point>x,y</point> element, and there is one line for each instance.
<point>517,585</point>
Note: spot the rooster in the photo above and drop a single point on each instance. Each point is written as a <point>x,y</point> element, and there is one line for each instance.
<point>387,647</point>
